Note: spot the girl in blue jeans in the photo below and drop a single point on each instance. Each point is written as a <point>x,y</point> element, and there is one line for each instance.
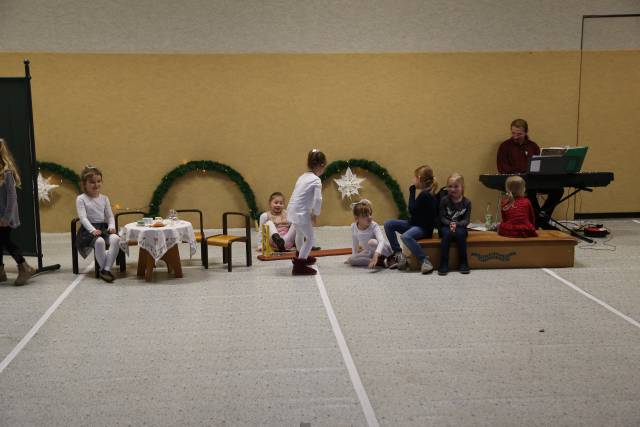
<point>423,210</point>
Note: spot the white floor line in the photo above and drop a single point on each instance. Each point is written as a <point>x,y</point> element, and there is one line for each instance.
<point>369,414</point>
<point>34,330</point>
<point>592,298</point>
<point>635,220</point>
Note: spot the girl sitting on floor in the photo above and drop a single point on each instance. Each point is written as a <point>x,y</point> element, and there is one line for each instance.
<point>518,217</point>
<point>454,214</point>
<point>281,232</point>
<point>98,231</point>
<point>367,235</point>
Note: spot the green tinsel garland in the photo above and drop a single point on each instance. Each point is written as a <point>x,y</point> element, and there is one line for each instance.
<point>63,172</point>
<point>341,165</point>
<point>168,179</point>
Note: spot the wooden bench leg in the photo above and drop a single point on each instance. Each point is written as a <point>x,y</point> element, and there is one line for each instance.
<point>149,264</point>
<point>142,259</point>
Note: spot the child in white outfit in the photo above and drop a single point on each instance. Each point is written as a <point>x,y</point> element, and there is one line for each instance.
<point>281,232</point>
<point>98,231</point>
<point>304,206</point>
<point>367,235</point>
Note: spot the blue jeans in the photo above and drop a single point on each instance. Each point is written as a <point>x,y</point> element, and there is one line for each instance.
<point>410,233</point>
<point>460,236</point>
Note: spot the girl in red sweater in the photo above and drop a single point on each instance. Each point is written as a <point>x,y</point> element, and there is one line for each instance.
<point>518,218</point>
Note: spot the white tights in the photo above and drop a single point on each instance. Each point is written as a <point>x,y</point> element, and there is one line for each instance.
<point>363,257</point>
<point>105,257</point>
<point>304,239</point>
<point>288,238</point>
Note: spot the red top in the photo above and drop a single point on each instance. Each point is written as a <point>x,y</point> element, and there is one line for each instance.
<point>514,157</point>
<point>519,220</point>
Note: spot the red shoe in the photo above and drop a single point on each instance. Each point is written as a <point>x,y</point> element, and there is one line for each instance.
<point>301,269</point>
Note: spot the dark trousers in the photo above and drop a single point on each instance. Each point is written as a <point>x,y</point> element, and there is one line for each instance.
<point>7,243</point>
<point>553,198</point>
<point>460,236</point>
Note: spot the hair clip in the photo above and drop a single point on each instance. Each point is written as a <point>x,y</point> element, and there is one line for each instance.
<point>361,202</point>
<point>315,150</point>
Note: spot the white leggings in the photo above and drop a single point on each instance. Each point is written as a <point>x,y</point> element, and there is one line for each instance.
<point>288,238</point>
<point>304,239</point>
<point>363,257</point>
<point>105,257</point>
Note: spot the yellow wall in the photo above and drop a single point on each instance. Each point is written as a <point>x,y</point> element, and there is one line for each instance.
<point>139,116</point>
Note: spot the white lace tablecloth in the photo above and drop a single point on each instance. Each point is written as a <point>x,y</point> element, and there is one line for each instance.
<point>158,240</point>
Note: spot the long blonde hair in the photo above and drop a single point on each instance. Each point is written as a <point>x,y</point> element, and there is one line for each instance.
<point>8,164</point>
<point>456,177</point>
<point>424,174</point>
<point>515,187</point>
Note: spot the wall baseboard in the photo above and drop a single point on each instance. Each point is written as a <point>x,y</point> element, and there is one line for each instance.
<point>606,215</point>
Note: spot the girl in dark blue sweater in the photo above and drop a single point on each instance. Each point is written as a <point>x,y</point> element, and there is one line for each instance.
<point>423,210</point>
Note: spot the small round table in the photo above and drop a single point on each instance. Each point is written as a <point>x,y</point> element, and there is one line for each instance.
<point>158,243</point>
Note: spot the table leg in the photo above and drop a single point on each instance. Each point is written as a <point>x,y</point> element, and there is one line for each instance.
<point>172,258</point>
<point>142,257</point>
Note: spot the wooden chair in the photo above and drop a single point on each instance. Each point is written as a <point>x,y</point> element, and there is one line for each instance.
<point>74,249</point>
<point>225,240</point>
<point>121,260</point>
<point>203,244</point>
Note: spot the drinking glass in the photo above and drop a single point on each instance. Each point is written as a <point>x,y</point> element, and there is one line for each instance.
<point>173,215</point>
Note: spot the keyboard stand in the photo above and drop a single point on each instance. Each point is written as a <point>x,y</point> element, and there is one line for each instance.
<point>556,223</point>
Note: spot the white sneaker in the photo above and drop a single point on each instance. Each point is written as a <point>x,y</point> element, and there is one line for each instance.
<point>426,267</point>
<point>402,261</point>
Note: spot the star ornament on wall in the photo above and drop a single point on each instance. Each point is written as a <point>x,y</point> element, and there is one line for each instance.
<point>44,188</point>
<point>349,183</point>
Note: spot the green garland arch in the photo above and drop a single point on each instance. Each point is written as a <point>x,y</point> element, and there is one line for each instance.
<point>168,179</point>
<point>373,167</point>
<point>62,171</point>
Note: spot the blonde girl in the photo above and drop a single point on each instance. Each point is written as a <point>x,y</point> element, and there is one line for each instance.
<point>518,216</point>
<point>367,235</point>
<point>454,213</point>
<point>281,232</point>
<point>9,215</point>
<point>304,206</point>
<point>98,231</point>
<point>423,210</point>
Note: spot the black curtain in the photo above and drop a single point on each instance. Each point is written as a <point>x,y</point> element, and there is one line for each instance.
<point>15,129</point>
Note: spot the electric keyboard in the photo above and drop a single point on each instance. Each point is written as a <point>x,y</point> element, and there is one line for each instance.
<point>537,181</point>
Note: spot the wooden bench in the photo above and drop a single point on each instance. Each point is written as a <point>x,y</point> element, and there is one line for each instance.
<point>486,249</point>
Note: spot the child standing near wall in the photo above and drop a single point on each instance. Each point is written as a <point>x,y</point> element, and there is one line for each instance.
<point>422,219</point>
<point>518,216</point>
<point>9,215</point>
<point>367,234</point>
<point>454,214</point>
<point>98,231</point>
<point>304,206</point>
<point>281,232</point>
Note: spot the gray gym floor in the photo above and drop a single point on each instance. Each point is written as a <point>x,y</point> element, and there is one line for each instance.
<point>260,347</point>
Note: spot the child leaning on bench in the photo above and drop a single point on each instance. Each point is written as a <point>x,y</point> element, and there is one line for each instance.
<point>366,234</point>
<point>423,210</point>
<point>518,216</point>
<point>454,214</point>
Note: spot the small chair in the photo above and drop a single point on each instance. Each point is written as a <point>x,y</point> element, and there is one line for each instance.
<point>121,260</point>
<point>74,249</point>
<point>225,240</point>
<point>203,244</point>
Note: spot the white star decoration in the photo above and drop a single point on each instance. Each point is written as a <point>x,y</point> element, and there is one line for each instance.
<point>44,187</point>
<point>348,184</point>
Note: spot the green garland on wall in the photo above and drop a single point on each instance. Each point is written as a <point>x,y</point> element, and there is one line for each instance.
<point>341,165</point>
<point>63,172</point>
<point>196,165</point>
